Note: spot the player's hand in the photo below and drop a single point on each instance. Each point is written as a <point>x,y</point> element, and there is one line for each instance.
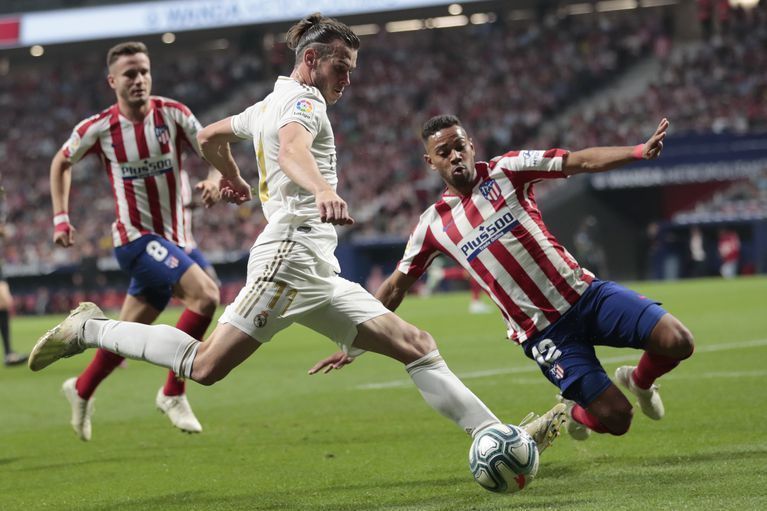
<point>335,361</point>
<point>654,145</point>
<point>209,192</point>
<point>64,234</point>
<point>332,208</point>
<point>236,190</point>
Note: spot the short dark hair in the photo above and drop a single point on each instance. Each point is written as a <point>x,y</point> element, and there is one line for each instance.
<point>437,123</point>
<point>319,31</point>
<point>126,48</point>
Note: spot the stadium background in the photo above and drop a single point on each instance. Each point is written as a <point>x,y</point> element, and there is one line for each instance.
<point>521,74</point>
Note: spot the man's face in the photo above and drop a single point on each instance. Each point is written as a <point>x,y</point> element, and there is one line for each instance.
<point>131,78</point>
<point>332,73</point>
<point>451,153</point>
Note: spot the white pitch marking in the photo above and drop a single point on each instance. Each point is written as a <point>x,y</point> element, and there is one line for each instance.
<point>532,367</point>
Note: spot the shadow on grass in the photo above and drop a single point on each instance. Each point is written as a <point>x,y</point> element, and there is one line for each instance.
<point>553,490</point>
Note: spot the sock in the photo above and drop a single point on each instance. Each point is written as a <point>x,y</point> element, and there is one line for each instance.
<point>651,367</point>
<point>100,367</point>
<point>580,414</point>
<point>448,395</point>
<point>195,325</point>
<point>161,345</point>
<point>5,332</point>
<point>476,290</point>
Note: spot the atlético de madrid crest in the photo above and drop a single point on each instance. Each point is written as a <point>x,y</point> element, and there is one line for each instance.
<point>490,190</point>
<point>162,133</point>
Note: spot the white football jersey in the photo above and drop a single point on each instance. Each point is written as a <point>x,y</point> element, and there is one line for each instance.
<point>290,210</point>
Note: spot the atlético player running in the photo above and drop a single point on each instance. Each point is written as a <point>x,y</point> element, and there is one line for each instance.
<point>139,139</point>
<point>488,222</point>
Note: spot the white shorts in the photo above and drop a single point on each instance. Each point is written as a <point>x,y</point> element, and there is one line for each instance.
<point>287,283</point>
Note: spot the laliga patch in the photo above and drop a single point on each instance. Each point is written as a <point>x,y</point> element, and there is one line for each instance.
<point>74,142</point>
<point>304,108</point>
<point>531,158</point>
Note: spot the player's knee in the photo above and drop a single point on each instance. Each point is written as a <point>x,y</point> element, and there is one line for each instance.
<point>619,419</point>
<point>681,341</point>
<point>422,342</point>
<point>208,299</point>
<point>207,375</point>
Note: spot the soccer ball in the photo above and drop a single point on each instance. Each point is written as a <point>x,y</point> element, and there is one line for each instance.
<point>503,458</point>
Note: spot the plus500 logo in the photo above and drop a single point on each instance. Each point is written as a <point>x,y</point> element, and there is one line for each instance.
<point>493,228</point>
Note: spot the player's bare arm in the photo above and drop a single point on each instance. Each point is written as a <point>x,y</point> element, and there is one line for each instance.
<point>298,163</point>
<point>601,159</point>
<point>393,290</point>
<point>61,182</point>
<point>215,140</point>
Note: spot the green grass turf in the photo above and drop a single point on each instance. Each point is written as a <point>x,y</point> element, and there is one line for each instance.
<point>277,439</point>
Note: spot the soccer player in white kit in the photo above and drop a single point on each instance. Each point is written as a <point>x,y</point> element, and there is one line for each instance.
<point>487,220</point>
<point>292,272</point>
<point>139,140</point>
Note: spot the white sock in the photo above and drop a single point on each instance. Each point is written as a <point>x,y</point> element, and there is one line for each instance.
<point>162,345</point>
<point>448,395</point>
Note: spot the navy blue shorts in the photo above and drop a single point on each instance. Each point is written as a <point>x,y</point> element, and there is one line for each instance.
<point>607,314</point>
<point>155,265</point>
<point>197,256</point>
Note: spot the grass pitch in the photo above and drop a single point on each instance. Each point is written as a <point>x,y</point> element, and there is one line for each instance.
<point>362,439</point>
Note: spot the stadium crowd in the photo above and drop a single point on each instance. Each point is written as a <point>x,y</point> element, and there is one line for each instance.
<point>503,80</point>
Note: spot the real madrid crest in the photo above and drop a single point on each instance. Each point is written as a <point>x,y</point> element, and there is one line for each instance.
<point>260,319</point>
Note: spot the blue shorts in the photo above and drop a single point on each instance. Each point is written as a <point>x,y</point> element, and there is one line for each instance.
<point>155,265</point>
<point>607,314</point>
<point>196,255</point>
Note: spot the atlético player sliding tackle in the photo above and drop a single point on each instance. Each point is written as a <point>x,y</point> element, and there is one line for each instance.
<point>487,221</point>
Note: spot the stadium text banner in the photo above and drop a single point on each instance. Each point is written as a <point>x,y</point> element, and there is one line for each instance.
<point>83,24</point>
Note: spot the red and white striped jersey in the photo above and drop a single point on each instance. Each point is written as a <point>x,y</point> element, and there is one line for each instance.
<point>497,234</point>
<point>143,162</point>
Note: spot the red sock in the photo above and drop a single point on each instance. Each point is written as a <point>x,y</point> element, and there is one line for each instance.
<point>651,367</point>
<point>476,290</point>
<point>581,415</point>
<point>195,325</point>
<point>100,367</point>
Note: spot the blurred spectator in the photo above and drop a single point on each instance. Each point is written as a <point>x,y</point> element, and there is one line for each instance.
<point>697,252</point>
<point>729,252</point>
<point>588,248</point>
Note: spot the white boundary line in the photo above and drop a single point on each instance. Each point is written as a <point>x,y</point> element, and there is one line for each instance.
<point>531,367</point>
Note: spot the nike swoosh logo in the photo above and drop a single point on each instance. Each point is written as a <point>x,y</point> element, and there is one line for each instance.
<point>446,227</point>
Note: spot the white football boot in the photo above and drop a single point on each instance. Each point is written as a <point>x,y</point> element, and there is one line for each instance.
<point>65,339</point>
<point>575,429</point>
<point>82,409</point>
<point>546,428</point>
<point>649,399</point>
<point>179,412</point>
